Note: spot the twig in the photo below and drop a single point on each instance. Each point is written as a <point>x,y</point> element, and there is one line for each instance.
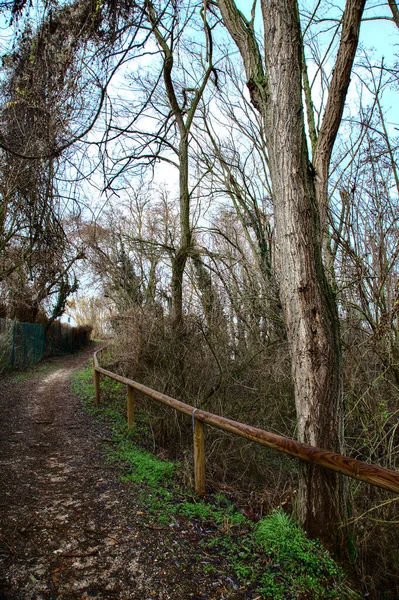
<point>152,527</point>
<point>79,554</point>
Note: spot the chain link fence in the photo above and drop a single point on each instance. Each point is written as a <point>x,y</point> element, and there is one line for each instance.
<point>26,344</point>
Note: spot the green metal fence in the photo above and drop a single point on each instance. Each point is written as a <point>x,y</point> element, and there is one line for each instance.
<point>26,344</point>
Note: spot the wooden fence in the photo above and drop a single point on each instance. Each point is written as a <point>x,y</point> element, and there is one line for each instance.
<point>372,474</point>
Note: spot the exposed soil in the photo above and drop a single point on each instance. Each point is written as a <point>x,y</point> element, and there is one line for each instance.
<point>69,528</point>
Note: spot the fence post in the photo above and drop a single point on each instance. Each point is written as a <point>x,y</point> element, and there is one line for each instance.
<point>130,406</point>
<point>199,456</point>
<point>12,356</point>
<point>96,381</point>
<point>24,329</point>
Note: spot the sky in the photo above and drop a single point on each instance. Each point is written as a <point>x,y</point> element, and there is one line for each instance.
<point>380,35</point>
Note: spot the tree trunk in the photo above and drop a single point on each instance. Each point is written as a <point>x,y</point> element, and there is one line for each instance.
<point>178,266</point>
<point>182,253</point>
<point>309,306</point>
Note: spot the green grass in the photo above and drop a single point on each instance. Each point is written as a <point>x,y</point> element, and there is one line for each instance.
<point>299,562</point>
<point>274,558</point>
<point>144,467</point>
<point>82,386</point>
<point>35,371</point>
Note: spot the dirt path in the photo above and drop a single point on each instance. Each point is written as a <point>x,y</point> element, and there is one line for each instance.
<point>68,528</point>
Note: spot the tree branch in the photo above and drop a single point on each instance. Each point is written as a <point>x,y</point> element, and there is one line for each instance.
<point>351,21</point>
<point>242,33</point>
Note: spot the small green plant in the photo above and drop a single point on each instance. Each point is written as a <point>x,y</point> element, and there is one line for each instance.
<point>143,466</point>
<point>82,386</point>
<point>111,388</point>
<point>193,510</point>
<point>298,563</point>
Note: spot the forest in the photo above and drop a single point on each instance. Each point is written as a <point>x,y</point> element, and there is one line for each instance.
<point>214,184</point>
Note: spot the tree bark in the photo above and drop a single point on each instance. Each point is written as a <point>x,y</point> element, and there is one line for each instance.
<point>179,261</point>
<point>338,90</point>
<point>308,302</point>
<point>309,307</point>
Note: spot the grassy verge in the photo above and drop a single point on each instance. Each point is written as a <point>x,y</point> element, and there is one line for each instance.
<point>273,557</point>
<point>34,371</point>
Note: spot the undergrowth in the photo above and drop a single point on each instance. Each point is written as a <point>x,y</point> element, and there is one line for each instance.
<point>273,557</point>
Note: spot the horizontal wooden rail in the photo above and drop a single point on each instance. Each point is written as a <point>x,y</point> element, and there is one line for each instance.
<point>373,474</point>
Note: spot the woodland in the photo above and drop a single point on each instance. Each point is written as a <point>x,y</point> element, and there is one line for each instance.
<point>214,185</point>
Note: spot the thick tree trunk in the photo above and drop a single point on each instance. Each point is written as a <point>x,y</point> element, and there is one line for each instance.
<point>309,306</point>
<point>308,302</point>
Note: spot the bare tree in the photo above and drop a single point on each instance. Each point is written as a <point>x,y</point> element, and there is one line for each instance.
<point>170,99</point>
<point>51,99</point>
<point>365,243</point>
<point>232,152</point>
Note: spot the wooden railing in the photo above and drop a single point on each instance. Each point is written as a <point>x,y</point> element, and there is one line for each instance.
<point>372,474</point>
